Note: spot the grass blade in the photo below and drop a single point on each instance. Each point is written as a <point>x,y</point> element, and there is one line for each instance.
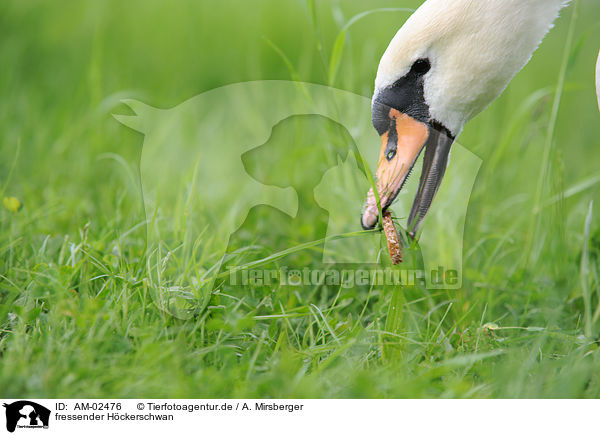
<point>577,188</point>
<point>12,168</point>
<point>584,272</point>
<point>340,40</point>
<point>545,167</point>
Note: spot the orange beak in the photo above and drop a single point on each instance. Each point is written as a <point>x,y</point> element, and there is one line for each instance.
<point>401,145</point>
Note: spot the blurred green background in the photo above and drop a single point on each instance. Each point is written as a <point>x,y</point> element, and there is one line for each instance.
<point>75,315</point>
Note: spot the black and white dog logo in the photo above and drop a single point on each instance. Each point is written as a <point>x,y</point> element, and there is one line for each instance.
<point>26,414</point>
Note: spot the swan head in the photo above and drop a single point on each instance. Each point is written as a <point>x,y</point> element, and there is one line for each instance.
<point>445,65</point>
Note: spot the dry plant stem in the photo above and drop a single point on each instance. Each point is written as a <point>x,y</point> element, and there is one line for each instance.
<point>393,241</point>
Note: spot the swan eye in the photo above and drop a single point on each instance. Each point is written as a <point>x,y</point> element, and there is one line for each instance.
<point>421,67</point>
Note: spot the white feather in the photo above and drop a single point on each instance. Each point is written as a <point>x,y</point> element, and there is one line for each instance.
<point>475,47</point>
<point>598,79</point>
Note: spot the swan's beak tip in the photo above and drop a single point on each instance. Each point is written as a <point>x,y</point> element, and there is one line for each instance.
<point>368,221</point>
<point>370,214</point>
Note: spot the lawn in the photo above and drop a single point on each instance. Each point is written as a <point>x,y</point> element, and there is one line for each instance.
<point>78,310</point>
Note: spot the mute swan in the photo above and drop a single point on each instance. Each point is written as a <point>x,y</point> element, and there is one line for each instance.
<point>449,61</point>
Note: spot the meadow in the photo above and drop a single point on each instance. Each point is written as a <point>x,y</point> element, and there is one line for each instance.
<point>77,315</point>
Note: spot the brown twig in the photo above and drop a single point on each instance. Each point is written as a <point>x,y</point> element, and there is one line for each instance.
<point>393,241</point>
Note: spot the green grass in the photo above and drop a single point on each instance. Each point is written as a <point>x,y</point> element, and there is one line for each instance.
<point>76,314</point>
